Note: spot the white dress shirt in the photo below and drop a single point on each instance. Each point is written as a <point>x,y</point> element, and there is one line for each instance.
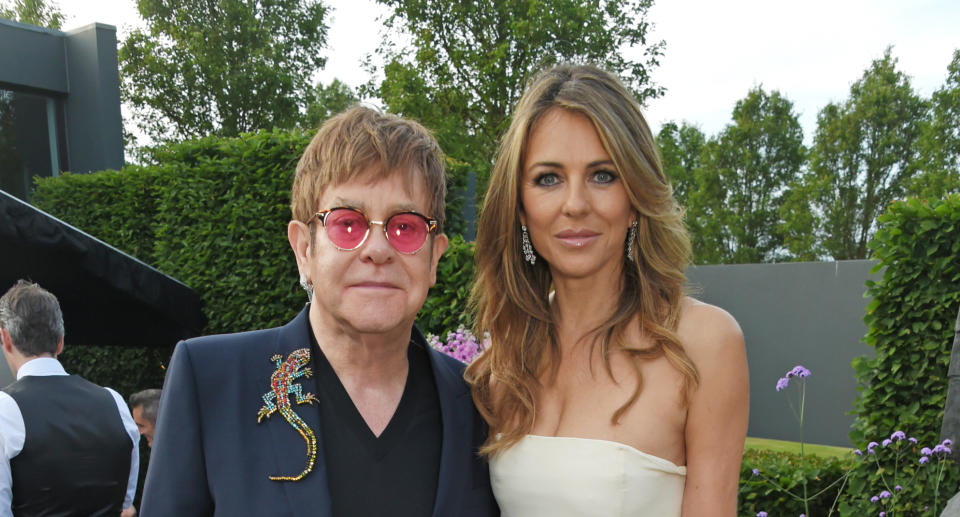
<point>12,433</point>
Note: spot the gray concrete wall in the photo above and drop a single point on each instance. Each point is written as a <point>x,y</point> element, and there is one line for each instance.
<point>808,313</point>
<point>32,57</point>
<point>94,124</point>
<point>80,70</point>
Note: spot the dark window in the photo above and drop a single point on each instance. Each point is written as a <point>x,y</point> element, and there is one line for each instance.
<point>30,140</point>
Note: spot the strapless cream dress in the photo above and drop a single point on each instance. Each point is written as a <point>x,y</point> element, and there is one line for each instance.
<point>550,476</point>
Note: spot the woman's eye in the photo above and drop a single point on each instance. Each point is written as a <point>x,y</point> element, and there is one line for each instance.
<point>604,177</point>
<point>547,179</point>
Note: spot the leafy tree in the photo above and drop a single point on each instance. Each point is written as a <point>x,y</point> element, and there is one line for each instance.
<point>34,12</point>
<point>863,156</point>
<point>735,211</point>
<point>221,66</point>
<point>939,144</point>
<point>467,62</point>
<point>681,147</point>
<point>327,101</point>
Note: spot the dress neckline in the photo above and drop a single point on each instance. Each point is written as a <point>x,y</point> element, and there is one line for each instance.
<point>656,459</point>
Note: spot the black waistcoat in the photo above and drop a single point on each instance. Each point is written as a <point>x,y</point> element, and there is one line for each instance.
<point>76,454</point>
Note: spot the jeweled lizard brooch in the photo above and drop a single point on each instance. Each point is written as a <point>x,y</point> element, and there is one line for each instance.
<point>278,399</point>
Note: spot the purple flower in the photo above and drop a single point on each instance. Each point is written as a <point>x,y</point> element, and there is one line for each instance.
<point>782,383</point>
<point>898,435</point>
<point>798,371</point>
<point>883,514</point>
<point>756,472</point>
<point>940,449</point>
<point>912,440</point>
<point>884,494</point>
<point>874,499</point>
<point>887,441</point>
<point>897,488</point>
<point>761,513</point>
<point>948,442</point>
<point>461,344</point>
<point>858,452</point>
<point>926,451</point>
<point>924,459</point>
<point>871,446</point>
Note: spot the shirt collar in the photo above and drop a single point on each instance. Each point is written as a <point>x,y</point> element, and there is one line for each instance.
<point>41,366</point>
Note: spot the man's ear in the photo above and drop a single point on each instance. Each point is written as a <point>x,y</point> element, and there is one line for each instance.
<point>59,347</point>
<point>298,234</point>
<point>7,341</point>
<point>440,243</point>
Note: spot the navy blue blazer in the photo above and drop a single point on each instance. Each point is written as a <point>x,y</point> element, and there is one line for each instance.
<point>211,457</point>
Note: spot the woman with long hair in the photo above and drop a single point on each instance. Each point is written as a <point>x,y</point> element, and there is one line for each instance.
<point>607,390</point>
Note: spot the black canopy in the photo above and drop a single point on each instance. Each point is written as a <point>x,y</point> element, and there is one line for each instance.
<point>107,296</point>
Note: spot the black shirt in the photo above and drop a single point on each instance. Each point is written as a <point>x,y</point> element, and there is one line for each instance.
<point>396,473</point>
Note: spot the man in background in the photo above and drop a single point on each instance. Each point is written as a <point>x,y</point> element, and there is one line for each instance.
<point>67,446</point>
<point>143,405</point>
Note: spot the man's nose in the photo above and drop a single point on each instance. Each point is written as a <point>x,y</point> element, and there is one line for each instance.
<point>377,248</point>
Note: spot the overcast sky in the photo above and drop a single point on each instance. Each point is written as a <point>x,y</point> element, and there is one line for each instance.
<point>716,51</point>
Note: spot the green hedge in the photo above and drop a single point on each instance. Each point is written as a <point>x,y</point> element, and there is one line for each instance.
<point>446,307</point>
<point>758,494</point>
<point>910,320</point>
<point>910,324</point>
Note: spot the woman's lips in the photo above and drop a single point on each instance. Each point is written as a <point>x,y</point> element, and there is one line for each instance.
<point>577,239</point>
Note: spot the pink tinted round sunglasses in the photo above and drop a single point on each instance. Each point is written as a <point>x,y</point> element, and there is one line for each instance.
<point>348,228</point>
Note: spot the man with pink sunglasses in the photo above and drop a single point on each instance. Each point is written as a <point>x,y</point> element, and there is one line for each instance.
<point>344,411</point>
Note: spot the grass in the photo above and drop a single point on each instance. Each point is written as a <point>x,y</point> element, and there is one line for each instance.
<point>794,447</point>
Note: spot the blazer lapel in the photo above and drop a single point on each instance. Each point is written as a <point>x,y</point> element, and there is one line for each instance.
<point>456,451</point>
<point>309,497</point>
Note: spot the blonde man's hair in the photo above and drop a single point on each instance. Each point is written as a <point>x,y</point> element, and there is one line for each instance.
<point>364,141</point>
<point>511,298</point>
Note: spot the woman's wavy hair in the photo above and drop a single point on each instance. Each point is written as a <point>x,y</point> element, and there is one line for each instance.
<point>511,299</point>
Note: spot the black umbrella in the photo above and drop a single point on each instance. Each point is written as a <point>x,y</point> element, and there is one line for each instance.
<point>107,296</point>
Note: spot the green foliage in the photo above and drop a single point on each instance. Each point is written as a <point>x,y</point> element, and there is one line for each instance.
<point>910,322</point>
<point>445,308</point>
<point>733,184</point>
<point>34,12</point>
<point>759,493</point>
<point>914,488</point>
<point>117,207</point>
<point>222,67</point>
<point>939,154</point>
<point>681,150</point>
<point>864,155</point>
<point>327,101</point>
<point>221,225</point>
<point>468,62</point>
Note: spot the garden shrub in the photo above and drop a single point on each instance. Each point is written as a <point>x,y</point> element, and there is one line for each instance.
<point>446,307</point>
<point>910,323</point>
<point>117,207</point>
<point>757,494</point>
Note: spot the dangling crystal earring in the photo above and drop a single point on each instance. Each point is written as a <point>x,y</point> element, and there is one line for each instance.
<point>526,246</point>
<point>307,286</point>
<point>631,237</point>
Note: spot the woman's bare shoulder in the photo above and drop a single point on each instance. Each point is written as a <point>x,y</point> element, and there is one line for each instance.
<point>706,329</point>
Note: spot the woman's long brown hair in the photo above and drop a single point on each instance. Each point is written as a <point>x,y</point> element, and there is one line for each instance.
<point>510,298</point>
